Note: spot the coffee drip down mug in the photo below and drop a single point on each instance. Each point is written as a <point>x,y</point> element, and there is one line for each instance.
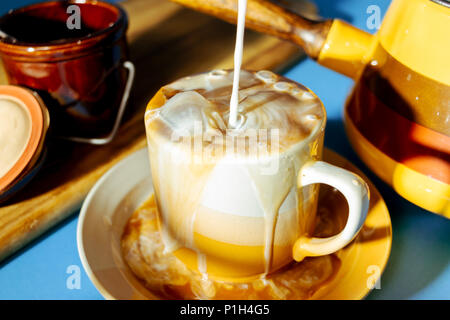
<point>398,114</point>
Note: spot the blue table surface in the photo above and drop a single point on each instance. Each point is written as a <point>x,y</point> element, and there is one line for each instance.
<point>419,265</point>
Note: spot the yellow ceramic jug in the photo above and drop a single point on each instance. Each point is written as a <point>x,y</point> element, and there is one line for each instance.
<point>398,114</point>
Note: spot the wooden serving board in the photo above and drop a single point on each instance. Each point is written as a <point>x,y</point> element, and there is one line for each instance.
<point>167,41</point>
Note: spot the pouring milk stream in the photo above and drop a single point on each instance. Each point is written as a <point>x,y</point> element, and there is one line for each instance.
<point>242,8</point>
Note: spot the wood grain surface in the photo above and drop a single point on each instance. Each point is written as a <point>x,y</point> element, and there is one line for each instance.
<point>167,41</point>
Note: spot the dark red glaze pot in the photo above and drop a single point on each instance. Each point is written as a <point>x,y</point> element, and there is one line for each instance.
<point>77,69</point>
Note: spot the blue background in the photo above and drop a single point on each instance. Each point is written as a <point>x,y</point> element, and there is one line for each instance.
<point>419,266</point>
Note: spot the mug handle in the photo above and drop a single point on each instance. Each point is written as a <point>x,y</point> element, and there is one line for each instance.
<point>100,141</point>
<point>355,191</point>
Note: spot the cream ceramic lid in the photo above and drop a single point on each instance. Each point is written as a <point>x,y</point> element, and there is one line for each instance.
<point>15,132</point>
<point>21,129</point>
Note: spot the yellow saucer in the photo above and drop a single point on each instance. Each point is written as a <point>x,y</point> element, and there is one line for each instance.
<point>363,260</point>
<point>117,195</point>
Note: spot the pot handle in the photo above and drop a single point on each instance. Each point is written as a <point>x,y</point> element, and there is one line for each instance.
<point>101,141</point>
<point>270,18</point>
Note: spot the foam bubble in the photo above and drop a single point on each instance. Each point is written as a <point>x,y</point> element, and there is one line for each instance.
<point>283,86</point>
<point>308,96</point>
<point>266,76</point>
<point>218,73</point>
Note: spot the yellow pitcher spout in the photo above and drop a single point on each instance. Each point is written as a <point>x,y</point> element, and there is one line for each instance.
<point>346,49</point>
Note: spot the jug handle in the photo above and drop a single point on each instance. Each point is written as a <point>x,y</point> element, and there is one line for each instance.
<point>333,43</point>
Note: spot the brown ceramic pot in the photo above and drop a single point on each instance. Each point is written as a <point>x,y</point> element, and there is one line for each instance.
<point>76,69</point>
